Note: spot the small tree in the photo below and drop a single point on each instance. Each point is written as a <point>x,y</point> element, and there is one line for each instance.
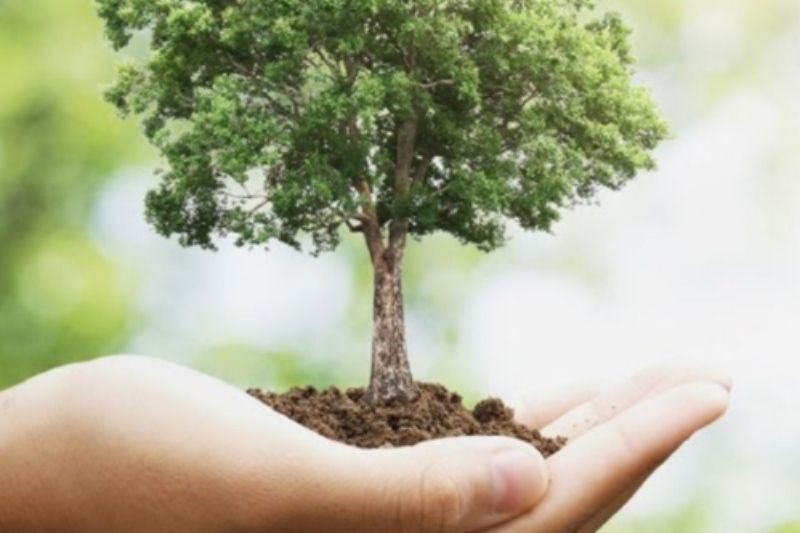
<point>288,118</point>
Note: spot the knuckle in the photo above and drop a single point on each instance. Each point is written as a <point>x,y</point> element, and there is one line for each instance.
<point>79,389</point>
<point>92,369</point>
<point>627,444</point>
<point>72,378</point>
<point>117,362</point>
<point>74,399</point>
<point>94,373</point>
<point>439,502</point>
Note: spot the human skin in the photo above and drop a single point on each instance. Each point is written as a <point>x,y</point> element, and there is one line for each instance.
<point>135,444</point>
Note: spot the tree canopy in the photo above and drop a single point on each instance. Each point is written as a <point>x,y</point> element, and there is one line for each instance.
<point>288,118</point>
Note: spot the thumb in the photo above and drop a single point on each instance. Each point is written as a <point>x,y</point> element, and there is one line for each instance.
<point>450,485</point>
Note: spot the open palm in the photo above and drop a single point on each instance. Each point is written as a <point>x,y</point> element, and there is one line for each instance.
<point>135,444</point>
<point>618,437</point>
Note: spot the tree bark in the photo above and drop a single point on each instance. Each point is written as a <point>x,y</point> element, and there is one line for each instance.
<point>391,378</point>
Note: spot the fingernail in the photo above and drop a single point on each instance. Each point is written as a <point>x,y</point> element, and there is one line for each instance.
<point>518,479</point>
<point>723,380</point>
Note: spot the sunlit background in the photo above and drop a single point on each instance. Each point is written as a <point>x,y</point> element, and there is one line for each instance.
<point>700,260</point>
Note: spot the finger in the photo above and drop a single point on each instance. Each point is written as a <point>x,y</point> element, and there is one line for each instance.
<point>593,470</point>
<point>449,485</point>
<point>600,519</point>
<point>645,384</point>
<point>537,410</point>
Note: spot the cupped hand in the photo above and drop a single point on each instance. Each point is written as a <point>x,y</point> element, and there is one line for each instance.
<point>617,438</point>
<point>135,444</point>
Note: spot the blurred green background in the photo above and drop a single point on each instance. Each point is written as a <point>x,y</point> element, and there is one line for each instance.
<point>81,275</point>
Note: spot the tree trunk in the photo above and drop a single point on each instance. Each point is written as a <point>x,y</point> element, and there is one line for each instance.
<point>391,378</point>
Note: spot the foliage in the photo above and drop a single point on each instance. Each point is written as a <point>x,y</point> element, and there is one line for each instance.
<point>295,117</point>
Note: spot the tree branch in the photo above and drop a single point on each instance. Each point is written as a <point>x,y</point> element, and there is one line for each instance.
<point>355,228</point>
<point>406,140</point>
<point>333,66</point>
<point>432,84</point>
<point>422,168</point>
<point>529,97</point>
<point>393,39</point>
<point>372,230</point>
<point>258,206</point>
<point>398,229</point>
<point>356,222</point>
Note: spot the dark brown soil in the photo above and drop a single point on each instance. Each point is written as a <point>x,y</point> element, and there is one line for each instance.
<point>436,413</point>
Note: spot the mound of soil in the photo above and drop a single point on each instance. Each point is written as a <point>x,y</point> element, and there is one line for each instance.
<point>436,413</point>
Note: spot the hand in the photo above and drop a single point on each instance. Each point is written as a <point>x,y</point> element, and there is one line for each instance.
<point>618,438</point>
<point>132,444</point>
